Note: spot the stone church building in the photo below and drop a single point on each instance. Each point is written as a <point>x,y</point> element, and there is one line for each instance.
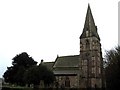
<point>86,69</point>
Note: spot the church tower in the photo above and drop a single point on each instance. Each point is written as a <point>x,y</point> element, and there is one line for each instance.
<point>91,61</point>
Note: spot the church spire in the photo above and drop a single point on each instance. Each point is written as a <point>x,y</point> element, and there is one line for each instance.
<point>90,29</point>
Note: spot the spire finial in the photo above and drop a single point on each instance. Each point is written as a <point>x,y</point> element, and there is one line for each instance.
<point>88,4</point>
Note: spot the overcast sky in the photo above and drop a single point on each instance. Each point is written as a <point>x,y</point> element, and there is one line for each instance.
<point>45,28</point>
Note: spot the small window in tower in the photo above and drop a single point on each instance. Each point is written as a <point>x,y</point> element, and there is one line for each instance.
<point>93,58</point>
<point>93,45</point>
<point>93,42</point>
<point>85,62</point>
<point>93,70</point>
<point>87,44</point>
<point>93,63</point>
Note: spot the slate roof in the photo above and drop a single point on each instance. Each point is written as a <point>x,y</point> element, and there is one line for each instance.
<point>49,65</point>
<point>66,65</point>
<point>67,61</point>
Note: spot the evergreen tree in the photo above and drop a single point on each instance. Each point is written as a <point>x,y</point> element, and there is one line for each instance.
<point>113,68</point>
<point>20,64</point>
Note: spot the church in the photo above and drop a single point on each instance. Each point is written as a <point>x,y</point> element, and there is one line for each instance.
<point>86,69</point>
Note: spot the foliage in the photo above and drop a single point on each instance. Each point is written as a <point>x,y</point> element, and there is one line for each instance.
<point>15,73</point>
<point>24,70</point>
<point>37,73</point>
<point>113,68</point>
<point>23,59</point>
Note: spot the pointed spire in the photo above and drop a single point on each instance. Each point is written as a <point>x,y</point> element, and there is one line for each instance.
<point>89,27</point>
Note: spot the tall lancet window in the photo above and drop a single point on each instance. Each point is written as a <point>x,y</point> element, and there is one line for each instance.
<point>87,44</point>
<point>67,82</point>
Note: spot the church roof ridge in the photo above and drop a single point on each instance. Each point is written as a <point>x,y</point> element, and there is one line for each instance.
<point>68,56</point>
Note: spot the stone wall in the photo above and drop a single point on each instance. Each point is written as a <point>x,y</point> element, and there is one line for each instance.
<point>67,81</point>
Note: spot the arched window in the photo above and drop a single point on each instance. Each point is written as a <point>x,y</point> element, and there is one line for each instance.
<point>67,82</point>
<point>93,70</point>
